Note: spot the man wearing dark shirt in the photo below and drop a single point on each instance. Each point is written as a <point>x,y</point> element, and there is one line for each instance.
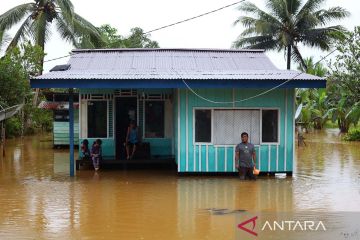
<point>245,158</point>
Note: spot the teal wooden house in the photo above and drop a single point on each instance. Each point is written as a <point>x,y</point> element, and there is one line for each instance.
<point>58,103</point>
<point>191,104</point>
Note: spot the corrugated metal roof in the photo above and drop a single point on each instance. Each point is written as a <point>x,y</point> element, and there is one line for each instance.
<point>199,64</point>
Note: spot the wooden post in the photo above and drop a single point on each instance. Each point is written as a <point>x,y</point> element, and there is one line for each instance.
<point>3,138</point>
<point>71,131</point>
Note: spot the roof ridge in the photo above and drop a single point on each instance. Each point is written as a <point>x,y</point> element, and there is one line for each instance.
<point>166,49</point>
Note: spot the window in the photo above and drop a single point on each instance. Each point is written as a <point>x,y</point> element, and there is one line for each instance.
<point>230,123</point>
<point>202,125</point>
<point>270,125</point>
<point>61,115</point>
<point>154,119</point>
<point>97,119</point>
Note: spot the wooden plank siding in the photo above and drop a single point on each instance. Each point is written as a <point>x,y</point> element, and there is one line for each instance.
<point>194,157</point>
<point>61,131</point>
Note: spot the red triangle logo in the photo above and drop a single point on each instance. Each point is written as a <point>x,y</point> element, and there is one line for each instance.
<point>251,220</point>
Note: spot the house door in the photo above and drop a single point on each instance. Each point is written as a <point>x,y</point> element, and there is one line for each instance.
<point>126,110</point>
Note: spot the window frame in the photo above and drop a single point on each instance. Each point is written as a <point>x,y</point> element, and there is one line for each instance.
<point>107,117</point>
<point>144,118</point>
<point>212,126</point>
<point>278,130</point>
<point>236,108</point>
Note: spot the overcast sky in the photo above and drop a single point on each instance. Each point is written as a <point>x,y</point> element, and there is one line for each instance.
<point>211,31</point>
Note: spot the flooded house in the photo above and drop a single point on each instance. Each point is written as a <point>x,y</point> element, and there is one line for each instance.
<point>190,104</point>
<point>58,103</point>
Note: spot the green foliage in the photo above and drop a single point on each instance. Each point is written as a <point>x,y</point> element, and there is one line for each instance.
<point>353,135</point>
<point>137,39</point>
<point>317,69</point>
<point>35,19</point>
<point>15,69</point>
<point>42,119</point>
<point>344,82</point>
<point>314,101</point>
<point>13,127</point>
<point>288,23</point>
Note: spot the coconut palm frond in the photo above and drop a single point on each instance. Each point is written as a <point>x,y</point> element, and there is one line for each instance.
<point>256,42</point>
<point>14,15</point>
<point>66,31</point>
<point>335,13</point>
<point>21,33</point>
<point>296,55</point>
<point>83,28</point>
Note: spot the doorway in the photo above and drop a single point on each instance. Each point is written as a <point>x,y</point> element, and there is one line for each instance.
<point>126,110</point>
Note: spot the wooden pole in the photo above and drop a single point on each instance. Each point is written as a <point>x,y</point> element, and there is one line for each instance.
<point>3,138</point>
<point>71,131</point>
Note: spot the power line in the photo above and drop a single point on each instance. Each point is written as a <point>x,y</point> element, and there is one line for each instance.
<point>166,26</point>
<point>255,96</point>
<point>57,58</point>
<point>192,18</point>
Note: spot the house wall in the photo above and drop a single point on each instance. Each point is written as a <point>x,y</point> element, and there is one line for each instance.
<point>159,146</point>
<point>61,131</point>
<point>194,157</point>
<point>108,143</point>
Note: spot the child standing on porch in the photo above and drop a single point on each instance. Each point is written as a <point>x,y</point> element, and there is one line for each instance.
<point>96,153</point>
<point>132,139</point>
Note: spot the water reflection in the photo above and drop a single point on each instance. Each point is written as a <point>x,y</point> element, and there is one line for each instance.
<point>39,201</point>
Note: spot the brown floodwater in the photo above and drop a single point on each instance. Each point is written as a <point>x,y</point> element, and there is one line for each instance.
<point>38,199</point>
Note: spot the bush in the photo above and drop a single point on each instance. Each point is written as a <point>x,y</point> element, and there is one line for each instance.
<point>42,119</point>
<point>353,135</point>
<point>13,127</point>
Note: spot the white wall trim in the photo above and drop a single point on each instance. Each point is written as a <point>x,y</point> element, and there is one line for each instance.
<point>178,123</point>
<point>207,158</point>
<point>187,131</point>
<point>285,150</point>
<point>225,148</point>
<point>200,167</point>
<point>216,159</point>
<point>233,160</point>
<point>194,160</point>
<point>277,158</point>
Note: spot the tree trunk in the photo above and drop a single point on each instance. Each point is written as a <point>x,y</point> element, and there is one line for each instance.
<point>40,43</point>
<point>343,126</point>
<point>288,57</point>
<point>37,90</point>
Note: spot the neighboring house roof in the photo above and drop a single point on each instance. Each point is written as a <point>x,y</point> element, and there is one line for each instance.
<point>163,66</point>
<point>56,105</point>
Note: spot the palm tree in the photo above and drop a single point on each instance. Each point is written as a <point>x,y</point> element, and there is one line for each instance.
<point>288,23</point>
<point>37,18</point>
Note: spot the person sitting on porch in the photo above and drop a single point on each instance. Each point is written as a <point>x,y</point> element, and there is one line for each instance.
<point>96,153</point>
<point>85,151</point>
<point>132,139</point>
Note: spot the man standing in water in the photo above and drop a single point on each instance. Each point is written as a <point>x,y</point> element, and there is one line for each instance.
<point>245,158</point>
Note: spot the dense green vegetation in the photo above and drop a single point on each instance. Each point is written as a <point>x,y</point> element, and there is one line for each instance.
<point>287,24</point>
<point>15,69</point>
<point>111,38</point>
<point>340,101</point>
